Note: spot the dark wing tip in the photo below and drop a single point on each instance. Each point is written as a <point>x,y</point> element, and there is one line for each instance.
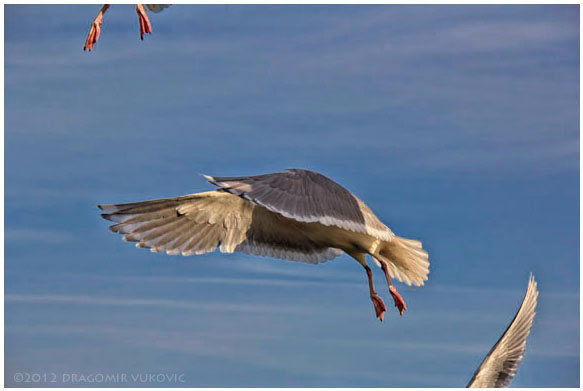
<point>106,216</point>
<point>111,208</point>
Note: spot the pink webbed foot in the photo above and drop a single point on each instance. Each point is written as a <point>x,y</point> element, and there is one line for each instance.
<point>399,302</point>
<point>379,306</point>
<point>94,32</point>
<point>145,26</point>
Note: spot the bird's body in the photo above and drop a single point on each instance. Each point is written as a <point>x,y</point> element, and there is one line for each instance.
<point>501,363</point>
<point>297,215</point>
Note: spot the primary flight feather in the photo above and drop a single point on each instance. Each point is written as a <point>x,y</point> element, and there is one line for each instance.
<point>297,215</point>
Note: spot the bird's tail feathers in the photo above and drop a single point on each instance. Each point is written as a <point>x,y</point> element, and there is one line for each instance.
<point>406,260</point>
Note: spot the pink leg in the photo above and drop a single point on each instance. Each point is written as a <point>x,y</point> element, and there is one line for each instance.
<point>379,306</point>
<point>145,26</point>
<point>399,302</point>
<point>95,29</point>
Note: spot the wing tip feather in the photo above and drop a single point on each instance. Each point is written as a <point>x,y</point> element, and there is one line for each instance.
<point>107,216</point>
<point>109,208</point>
<point>208,178</point>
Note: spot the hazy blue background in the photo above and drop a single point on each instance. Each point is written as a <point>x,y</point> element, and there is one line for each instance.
<point>459,126</point>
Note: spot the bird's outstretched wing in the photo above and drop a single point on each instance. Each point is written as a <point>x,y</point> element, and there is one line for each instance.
<point>501,363</point>
<point>156,7</point>
<point>306,196</point>
<point>203,222</point>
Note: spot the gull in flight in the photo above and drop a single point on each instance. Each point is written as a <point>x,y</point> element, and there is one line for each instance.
<point>296,215</point>
<point>501,363</point>
<point>145,26</point>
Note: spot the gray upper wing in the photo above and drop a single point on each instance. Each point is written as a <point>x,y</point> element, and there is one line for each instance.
<point>501,363</point>
<point>306,196</point>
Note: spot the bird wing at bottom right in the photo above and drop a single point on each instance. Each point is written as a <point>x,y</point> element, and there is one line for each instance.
<point>501,363</point>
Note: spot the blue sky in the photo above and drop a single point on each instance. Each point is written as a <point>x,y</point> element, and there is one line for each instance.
<point>457,125</point>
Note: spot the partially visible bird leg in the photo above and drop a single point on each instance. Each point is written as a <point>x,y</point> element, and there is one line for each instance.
<point>399,302</point>
<point>95,29</point>
<point>145,26</point>
<point>379,306</point>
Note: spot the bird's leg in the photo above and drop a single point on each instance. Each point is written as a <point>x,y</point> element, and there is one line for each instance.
<point>379,306</point>
<point>145,26</point>
<point>95,29</point>
<point>399,302</point>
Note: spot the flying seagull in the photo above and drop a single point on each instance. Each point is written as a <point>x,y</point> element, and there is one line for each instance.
<point>296,215</point>
<point>501,363</point>
<point>145,26</point>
